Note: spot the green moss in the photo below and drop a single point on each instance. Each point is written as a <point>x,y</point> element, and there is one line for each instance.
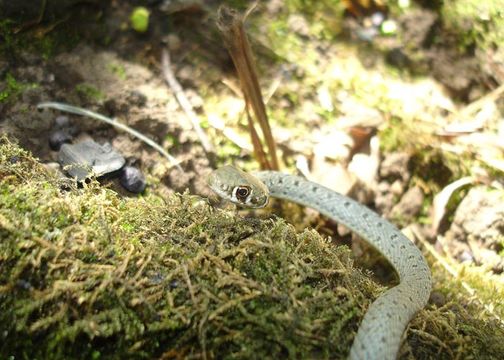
<point>89,92</point>
<point>119,70</point>
<point>6,34</point>
<point>12,88</point>
<point>45,39</point>
<point>87,274</point>
<point>325,15</point>
<point>228,149</point>
<point>475,22</point>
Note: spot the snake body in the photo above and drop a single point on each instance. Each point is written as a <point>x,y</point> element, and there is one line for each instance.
<point>379,335</point>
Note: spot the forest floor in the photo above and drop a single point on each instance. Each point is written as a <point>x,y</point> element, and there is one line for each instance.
<point>402,110</point>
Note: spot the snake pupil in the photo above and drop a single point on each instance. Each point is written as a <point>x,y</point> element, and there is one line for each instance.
<point>242,192</point>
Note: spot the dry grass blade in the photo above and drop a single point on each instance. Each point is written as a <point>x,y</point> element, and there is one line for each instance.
<point>230,24</point>
<point>256,144</point>
<point>478,104</point>
<point>183,101</point>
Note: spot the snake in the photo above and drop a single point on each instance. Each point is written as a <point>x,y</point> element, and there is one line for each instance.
<point>380,333</point>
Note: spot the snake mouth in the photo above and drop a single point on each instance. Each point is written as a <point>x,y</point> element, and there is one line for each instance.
<point>258,202</point>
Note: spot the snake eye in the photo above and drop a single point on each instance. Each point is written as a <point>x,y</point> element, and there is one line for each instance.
<point>242,192</point>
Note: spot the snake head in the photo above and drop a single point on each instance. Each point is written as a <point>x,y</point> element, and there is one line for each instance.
<point>238,187</point>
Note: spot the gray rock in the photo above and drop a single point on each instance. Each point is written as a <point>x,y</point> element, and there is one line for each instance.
<point>58,138</point>
<point>395,166</point>
<point>410,204</point>
<point>89,158</point>
<point>480,217</point>
<point>132,179</point>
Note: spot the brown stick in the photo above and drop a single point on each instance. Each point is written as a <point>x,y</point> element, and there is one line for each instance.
<point>230,23</point>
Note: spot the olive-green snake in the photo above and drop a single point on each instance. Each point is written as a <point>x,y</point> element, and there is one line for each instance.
<point>379,335</point>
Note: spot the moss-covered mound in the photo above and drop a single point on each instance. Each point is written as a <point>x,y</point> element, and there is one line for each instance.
<point>86,274</point>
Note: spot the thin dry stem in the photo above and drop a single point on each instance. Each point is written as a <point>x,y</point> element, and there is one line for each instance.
<point>230,23</point>
<point>184,103</point>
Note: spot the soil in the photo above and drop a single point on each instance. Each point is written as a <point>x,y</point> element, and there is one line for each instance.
<point>116,71</point>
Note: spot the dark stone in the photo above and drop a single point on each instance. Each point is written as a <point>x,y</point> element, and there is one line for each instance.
<point>23,284</point>
<point>58,138</point>
<point>396,57</point>
<point>437,299</point>
<point>132,179</point>
<point>14,159</point>
<point>89,158</point>
<point>395,166</point>
<point>137,98</point>
<point>410,204</point>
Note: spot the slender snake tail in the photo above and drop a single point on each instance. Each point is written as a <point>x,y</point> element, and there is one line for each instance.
<point>379,335</point>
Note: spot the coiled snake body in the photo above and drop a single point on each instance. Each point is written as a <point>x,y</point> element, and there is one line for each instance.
<point>379,335</point>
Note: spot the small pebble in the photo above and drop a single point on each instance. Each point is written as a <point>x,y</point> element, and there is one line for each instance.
<point>14,159</point>
<point>377,18</point>
<point>437,299</point>
<point>23,284</point>
<point>396,57</point>
<point>137,98</point>
<point>174,42</point>
<point>366,34</point>
<point>132,179</point>
<point>466,256</point>
<point>58,138</point>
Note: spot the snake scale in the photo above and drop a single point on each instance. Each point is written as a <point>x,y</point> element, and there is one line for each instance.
<point>380,333</point>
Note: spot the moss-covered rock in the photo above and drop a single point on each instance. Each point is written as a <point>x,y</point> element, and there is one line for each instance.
<point>86,274</point>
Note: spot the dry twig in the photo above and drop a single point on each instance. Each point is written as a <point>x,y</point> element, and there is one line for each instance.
<point>184,102</point>
<point>230,23</point>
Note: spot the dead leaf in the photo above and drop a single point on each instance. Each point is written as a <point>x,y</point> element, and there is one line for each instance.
<point>442,199</point>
